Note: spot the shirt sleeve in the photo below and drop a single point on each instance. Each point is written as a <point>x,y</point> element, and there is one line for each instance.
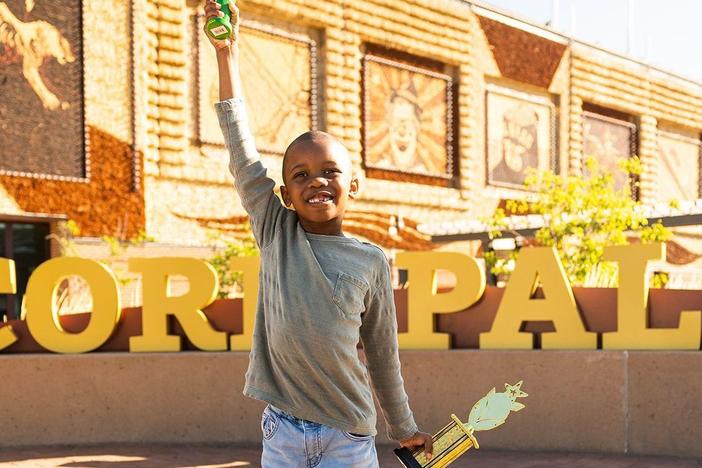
<point>250,176</point>
<point>379,338</point>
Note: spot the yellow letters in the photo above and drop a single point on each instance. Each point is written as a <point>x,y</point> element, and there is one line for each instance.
<point>187,308</point>
<point>8,285</point>
<point>42,314</point>
<point>249,266</point>
<point>557,306</point>
<point>424,300</point>
<point>632,297</point>
<point>535,265</point>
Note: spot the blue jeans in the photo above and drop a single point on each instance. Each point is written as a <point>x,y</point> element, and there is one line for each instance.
<point>290,442</point>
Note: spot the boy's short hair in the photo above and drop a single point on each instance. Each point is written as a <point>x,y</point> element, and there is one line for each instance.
<point>311,135</point>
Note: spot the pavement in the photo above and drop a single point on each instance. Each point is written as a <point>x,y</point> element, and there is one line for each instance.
<point>208,456</point>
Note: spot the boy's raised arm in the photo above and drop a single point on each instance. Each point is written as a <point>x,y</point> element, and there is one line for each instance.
<point>250,176</point>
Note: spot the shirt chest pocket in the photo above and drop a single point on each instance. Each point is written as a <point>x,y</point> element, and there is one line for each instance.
<point>349,295</point>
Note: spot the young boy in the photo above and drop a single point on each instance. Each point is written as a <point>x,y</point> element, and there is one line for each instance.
<point>320,292</point>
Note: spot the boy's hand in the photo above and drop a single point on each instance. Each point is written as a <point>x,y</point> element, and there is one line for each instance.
<point>213,10</point>
<point>420,439</point>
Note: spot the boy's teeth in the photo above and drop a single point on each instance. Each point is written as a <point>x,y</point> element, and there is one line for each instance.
<point>321,199</point>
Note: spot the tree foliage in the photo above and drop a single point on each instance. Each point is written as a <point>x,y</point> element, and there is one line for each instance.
<point>229,280</point>
<point>582,215</point>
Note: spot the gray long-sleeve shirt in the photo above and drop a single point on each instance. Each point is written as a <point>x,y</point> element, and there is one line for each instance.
<point>318,295</point>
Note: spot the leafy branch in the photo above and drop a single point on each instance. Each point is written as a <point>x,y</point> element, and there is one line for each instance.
<point>230,281</point>
<point>582,216</point>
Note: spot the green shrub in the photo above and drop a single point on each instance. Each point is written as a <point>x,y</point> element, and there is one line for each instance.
<point>231,281</point>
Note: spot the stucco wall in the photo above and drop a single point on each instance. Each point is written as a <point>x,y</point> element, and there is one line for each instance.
<point>598,401</point>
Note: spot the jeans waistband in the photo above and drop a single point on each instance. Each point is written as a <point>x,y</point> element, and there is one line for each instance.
<point>285,415</point>
<point>299,421</point>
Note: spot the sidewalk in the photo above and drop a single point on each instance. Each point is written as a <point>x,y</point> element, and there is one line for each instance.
<point>204,456</point>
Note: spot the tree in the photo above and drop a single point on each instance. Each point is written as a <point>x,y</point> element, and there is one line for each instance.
<point>582,215</point>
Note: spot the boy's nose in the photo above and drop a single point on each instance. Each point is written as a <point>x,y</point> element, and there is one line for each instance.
<point>319,182</point>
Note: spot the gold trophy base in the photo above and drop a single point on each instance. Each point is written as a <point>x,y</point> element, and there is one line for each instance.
<point>449,443</point>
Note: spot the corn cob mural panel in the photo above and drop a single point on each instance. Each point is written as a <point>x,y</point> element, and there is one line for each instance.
<point>609,140</point>
<point>520,136</point>
<point>407,118</point>
<point>678,165</point>
<point>41,76</point>
<point>290,97</point>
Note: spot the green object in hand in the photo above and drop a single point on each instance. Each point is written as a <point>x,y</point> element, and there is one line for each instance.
<point>221,28</point>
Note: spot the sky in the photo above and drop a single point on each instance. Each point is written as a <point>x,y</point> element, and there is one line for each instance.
<point>667,34</point>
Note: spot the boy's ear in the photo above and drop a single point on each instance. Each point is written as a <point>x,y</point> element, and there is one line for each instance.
<point>353,189</point>
<point>286,196</point>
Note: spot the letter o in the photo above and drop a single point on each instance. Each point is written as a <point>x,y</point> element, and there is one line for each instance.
<point>42,314</point>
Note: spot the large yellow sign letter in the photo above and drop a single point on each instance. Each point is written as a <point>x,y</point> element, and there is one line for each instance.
<point>158,304</point>
<point>8,285</point>
<point>249,266</point>
<point>424,301</point>
<point>558,306</point>
<point>42,313</point>
<point>632,298</point>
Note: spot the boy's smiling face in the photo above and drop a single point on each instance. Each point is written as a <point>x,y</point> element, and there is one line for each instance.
<point>317,173</point>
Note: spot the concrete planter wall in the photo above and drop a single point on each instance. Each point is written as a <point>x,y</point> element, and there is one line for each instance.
<point>609,401</point>
<point>606,401</point>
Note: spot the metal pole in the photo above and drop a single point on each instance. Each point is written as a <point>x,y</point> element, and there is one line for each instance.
<point>630,27</point>
<point>555,23</point>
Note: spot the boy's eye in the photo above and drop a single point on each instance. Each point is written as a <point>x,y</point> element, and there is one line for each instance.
<point>331,171</point>
<point>300,174</point>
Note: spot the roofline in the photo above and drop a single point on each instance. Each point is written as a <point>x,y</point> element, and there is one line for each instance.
<point>677,220</point>
<point>31,217</point>
<point>478,6</point>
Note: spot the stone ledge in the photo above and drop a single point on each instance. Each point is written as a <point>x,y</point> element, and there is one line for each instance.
<point>605,401</point>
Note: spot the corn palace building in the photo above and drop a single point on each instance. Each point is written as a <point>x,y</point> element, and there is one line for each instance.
<point>107,121</point>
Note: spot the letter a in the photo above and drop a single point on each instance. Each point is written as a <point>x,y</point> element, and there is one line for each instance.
<point>558,306</point>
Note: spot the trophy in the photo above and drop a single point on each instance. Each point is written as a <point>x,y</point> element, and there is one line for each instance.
<point>457,437</point>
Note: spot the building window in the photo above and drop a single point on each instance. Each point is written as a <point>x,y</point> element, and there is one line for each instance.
<point>28,246</point>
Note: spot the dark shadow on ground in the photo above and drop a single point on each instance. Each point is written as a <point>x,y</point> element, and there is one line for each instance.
<point>225,456</point>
